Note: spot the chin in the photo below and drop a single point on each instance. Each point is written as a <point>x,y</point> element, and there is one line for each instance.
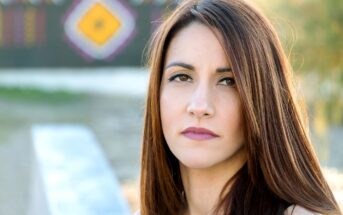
<point>196,162</point>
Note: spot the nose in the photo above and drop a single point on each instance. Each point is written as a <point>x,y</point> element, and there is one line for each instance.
<point>200,104</point>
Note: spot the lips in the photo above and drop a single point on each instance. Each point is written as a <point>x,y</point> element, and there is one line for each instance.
<point>195,133</point>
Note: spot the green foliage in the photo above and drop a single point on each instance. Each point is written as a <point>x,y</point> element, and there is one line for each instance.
<point>36,95</point>
<point>320,26</point>
<point>316,49</point>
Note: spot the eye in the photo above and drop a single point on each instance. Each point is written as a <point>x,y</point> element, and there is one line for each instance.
<point>227,81</point>
<point>180,78</point>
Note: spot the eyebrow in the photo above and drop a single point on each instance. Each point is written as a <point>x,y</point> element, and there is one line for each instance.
<point>190,67</point>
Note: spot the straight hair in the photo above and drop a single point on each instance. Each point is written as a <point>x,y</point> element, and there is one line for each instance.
<point>281,168</point>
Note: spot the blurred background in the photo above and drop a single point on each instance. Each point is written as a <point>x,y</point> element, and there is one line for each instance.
<point>81,62</point>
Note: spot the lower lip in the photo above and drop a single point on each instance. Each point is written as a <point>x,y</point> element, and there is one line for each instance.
<point>198,136</point>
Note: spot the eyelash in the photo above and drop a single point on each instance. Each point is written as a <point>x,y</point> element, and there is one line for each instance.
<point>178,76</point>
<point>174,77</point>
<point>232,81</point>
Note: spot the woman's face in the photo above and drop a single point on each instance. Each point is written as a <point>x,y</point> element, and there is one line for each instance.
<point>200,106</point>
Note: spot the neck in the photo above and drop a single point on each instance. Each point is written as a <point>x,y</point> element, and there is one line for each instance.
<point>204,186</point>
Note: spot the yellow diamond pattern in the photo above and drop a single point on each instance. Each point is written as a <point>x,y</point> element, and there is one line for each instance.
<point>99,24</point>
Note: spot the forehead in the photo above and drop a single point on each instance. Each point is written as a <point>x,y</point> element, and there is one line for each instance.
<point>196,43</point>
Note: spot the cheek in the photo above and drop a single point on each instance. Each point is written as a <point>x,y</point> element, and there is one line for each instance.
<point>166,109</point>
<point>171,110</point>
<point>173,101</point>
<point>231,117</point>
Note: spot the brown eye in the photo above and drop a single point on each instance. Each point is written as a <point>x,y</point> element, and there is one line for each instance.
<point>227,81</point>
<point>180,78</point>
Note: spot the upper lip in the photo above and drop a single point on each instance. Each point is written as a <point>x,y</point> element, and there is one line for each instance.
<point>199,130</point>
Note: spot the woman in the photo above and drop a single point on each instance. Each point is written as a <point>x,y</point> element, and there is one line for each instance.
<point>223,133</point>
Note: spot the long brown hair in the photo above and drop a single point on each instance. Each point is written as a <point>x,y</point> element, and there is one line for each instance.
<point>281,167</point>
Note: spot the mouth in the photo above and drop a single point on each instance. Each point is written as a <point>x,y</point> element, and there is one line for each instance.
<point>196,133</point>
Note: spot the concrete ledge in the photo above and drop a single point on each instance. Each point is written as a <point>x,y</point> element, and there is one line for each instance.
<point>72,176</point>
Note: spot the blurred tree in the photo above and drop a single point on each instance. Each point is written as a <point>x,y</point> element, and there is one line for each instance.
<point>320,26</point>
<point>312,34</point>
<point>317,52</point>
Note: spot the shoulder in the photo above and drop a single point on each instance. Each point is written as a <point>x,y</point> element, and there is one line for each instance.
<point>137,213</point>
<point>298,210</point>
